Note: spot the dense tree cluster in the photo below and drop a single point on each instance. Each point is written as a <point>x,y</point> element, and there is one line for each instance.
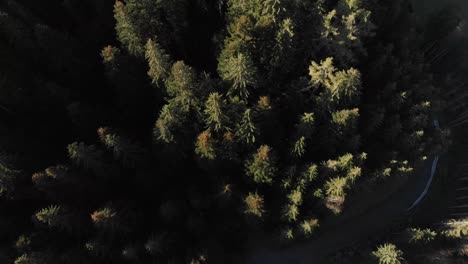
<point>201,122</point>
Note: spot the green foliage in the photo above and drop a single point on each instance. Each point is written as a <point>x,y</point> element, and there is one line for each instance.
<point>205,146</point>
<point>388,254</point>
<point>422,236</point>
<point>87,156</point>
<point>159,62</point>
<point>291,212</point>
<point>287,234</point>
<point>261,167</point>
<point>311,173</point>
<point>183,87</point>
<point>246,130</point>
<point>223,105</point>
<point>295,197</point>
<point>23,243</point>
<point>240,71</point>
<point>110,57</point>
<point>305,127</point>
<point>343,163</point>
<point>104,218</point>
<point>170,119</point>
<point>309,226</point>
<point>455,228</point>
<point>300,147</point>
<point>52,216</point>
<point>214,112</point>
<point>127,32</point>
<point>341,86</point>
<point>24,259</point>
<point>254,205</point>
<point>127,151</point>
<point>336,186</point>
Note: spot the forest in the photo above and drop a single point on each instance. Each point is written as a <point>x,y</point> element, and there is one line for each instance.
<point>206,131</point>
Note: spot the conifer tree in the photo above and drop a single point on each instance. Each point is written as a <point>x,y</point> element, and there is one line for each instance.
<point>423,236</point>
<point>215,116</point>
<point>129,152</point>
<point>261,167</point>
<point>105,218</point>
<point>158,60</point>
<point>170,119</point>
<point>182,86</point>
<point>110,57</point>
<point>455,228</point>
<point>240,71</point>
<point>254,204</point>
<point>127,32</point>
<point>388,254</point>
<point>53,216</point>
<point>87,156</point>
<point>246,131</point>
<point>205,145</point>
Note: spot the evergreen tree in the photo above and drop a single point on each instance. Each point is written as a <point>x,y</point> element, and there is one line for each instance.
<point>246,130</point>
<point>53,216</point>
<point>261,167</point>
<point>127,32</point>
<point>215,116</point>
<point>254,204</point>
<point>423,236</point>
<point>158,60</point>
<point>87,156</point>
<point>388,254</point>
<point>205,145</point>
<point>455,228</point>
<point>240,71</point>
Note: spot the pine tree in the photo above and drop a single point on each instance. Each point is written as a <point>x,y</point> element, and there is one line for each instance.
<point>87,156</point>
<point>346,119</point>
<point>254,204</point>
<point>169,121</point>
<point>214,112</point>
<point>299,147</point>
<point>241,72</point>
<point>105,218</point>
<point>53,216</point>
<point>455,228</point>
<point>205,146</point>
<point>423,236</point>
<point>129,152</point>
<point>346,86</point>
<point>182,86</point>
<point>127,32</point>
<point>388,254</point>
<point>291,212</point>
<point>323,73</point>
<point>246,131</point>
<point>308,226</point>
<point>159,62</point>
<point>336,187</point>
<point>261,167</point>
<point>110,56</point>
<point>305,127</point>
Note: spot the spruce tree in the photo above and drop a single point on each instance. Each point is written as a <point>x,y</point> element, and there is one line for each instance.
<point>261,167</point>
<point>159,62</point>
<point>388,254</point>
